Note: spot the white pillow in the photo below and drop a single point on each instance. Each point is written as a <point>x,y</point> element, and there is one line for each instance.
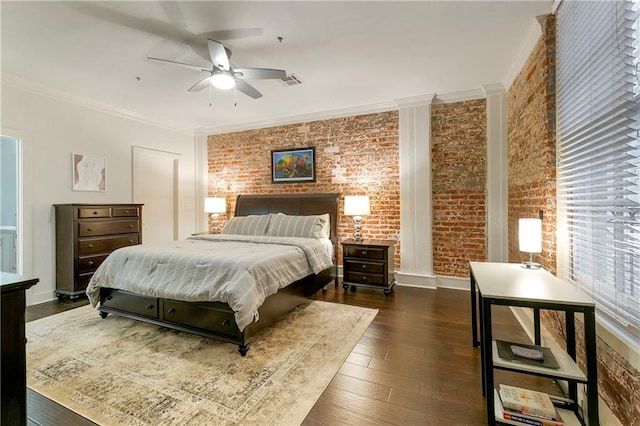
<point>314,226</point>
<point>247,225</point>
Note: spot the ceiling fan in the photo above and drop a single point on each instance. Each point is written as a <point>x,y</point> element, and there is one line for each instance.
<point>223,76</point>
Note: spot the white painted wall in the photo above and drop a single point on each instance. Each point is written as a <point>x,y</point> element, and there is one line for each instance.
<point>52,128</point>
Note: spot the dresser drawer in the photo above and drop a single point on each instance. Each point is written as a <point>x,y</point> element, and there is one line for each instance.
<point>364,278</point>
<point>125,212</point>
<point>202,316</point>
<point>365,252</point>
<point>135,303</point>
<point>91,228</point>
<point>107,244</point>
<point>85,212</point>
<point>368,267</point>
<point>90,263</point>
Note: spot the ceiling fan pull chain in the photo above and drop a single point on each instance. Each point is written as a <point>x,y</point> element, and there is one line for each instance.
<point>235,96</point>
<point>210,102</point>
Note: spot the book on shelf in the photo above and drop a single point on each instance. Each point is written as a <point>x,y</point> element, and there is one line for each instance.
<point>527,402</point>
<point>502,413</point>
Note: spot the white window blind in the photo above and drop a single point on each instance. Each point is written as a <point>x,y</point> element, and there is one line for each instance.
<point>598,116</point>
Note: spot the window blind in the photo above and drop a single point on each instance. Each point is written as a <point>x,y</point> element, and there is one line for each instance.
<point>598,153</point>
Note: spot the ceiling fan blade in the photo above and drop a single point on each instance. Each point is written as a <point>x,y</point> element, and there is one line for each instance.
<point>218,55</point>
<point>233,34</point>
<point>261,73</point>
<point>205,82</point>
<point>247,89</point>
<point>181,64</point>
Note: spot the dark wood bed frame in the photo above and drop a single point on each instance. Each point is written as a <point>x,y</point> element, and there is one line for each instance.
<point>216,320</point>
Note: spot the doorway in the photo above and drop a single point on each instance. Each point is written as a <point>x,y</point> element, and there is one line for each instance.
<point>155,184</point>
<point>9,202</point>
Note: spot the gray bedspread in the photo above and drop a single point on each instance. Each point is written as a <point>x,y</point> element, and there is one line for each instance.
<point>235,269</point>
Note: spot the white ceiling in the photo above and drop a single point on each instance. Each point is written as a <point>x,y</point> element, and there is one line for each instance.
<point>348,55</point>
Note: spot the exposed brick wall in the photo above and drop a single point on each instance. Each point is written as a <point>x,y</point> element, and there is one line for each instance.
<point>459,171</point>
<point>531,149</point>
<point>532,187</point>
<point>356,155</point>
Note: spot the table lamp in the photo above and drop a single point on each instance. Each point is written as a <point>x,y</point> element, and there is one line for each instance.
<point>530,240</point>
<point>356,206</point>
<point>215,206</point>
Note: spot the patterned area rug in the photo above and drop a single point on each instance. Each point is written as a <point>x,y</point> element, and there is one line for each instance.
<point>119,371</point>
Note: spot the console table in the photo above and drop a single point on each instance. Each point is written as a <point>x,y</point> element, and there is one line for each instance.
<point>13,369</point>
<point>512,285</point>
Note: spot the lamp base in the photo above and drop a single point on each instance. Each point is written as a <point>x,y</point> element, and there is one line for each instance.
<point>531,265</point>
<point>357,227</point>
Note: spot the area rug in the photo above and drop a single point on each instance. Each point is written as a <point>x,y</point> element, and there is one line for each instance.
<point>119,371</point>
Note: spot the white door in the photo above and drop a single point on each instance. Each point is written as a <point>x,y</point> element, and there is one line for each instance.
<point>155,184</point>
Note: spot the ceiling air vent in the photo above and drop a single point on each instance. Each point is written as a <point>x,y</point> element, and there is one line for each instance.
<point>291,80</point>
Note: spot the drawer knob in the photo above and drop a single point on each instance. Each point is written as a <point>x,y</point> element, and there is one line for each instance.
<point>130,241</point>
<point>109,297</point>
<point>90,263</point>
<point>95,212</point>
<point>89,229</point>
<point>364,252</point>
<point>149,307</point>
<point>364,278</point>
<point>126,212</point>
<point>226,323</point>
<point>131,226</point>
<point>171,311</point>
<point>364,266</point>
<point>90,246</point>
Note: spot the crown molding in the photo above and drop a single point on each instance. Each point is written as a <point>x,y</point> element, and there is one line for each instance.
<point>303,118</point>
<point>415,101</point>
<point>493,89</point>
<point>38,89</point>
<point>467,95</point>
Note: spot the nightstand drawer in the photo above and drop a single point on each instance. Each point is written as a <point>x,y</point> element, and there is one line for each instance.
<point>367,267</point>
<point>365,252</point>
<point>363,278</point>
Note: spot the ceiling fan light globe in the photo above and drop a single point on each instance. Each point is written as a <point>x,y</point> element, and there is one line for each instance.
<point>223,81</point>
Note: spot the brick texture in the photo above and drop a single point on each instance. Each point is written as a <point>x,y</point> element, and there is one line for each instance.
<point>459,164</point>
<point>356,155</point>
<point>532,188</point>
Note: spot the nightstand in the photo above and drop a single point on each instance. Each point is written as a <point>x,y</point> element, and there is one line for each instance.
<point>368,263</point>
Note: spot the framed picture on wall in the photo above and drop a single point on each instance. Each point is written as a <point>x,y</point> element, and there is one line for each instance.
<point>293,165</point>
<point>89,172</point>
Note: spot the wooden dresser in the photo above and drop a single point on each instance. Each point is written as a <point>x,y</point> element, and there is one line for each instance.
<point>85,235</point>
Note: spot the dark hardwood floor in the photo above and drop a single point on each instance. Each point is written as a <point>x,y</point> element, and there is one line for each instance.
<point>415,364</point>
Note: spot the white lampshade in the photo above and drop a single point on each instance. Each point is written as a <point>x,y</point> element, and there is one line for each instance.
<point>530,235</point>
<point>356,205</point>
<point>215,205</point>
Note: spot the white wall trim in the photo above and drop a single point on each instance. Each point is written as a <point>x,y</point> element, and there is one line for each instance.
<point>303,118</point>
<point>455,283</point>
<point>31,87</point>
<point>202,181</point>
<point>415,280</point>
<point>416,241</point>
<point>451,98</point>
<point>497,176</point>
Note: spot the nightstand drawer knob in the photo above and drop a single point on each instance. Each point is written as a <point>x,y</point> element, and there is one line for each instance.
<point>364,266</point>
<point>364,278</point>
<point>90,246</point>
<point>90,263</point>
<point>364,252</point>
<point>226,323</point>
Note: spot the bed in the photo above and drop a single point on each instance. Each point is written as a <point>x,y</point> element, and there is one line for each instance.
<point>205,312</point>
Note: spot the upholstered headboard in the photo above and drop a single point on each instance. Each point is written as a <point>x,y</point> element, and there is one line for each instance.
<point>291,204</point>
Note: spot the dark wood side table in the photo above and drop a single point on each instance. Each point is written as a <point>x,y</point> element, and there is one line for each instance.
<point>13,370</point>
<point>368,263</point>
